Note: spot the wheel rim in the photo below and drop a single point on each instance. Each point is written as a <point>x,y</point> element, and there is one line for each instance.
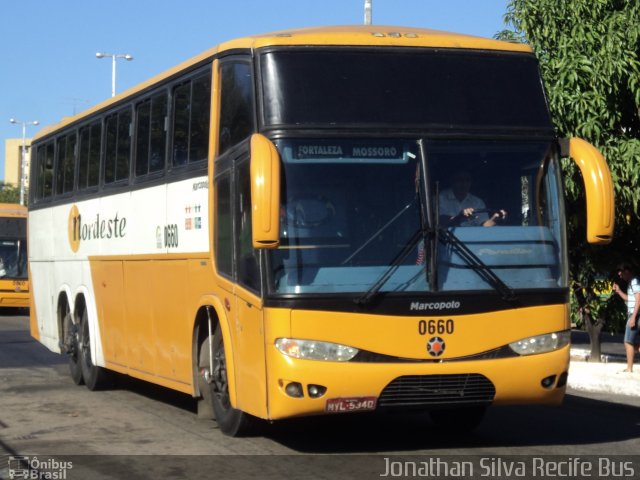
<point>74,347</point>
<point>74,339</point>
<point>85,345</point>
<point>220,382</point>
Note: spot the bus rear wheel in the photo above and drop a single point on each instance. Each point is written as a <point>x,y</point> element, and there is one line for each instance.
<point>72,347</point>
<point>231,421</point>
<point>95,378</point>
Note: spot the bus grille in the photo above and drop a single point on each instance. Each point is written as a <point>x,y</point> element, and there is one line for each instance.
<point>437,390</point>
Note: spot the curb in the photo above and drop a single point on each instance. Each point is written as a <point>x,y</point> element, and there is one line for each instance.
<point>604,377</point>
<point>584,355</point>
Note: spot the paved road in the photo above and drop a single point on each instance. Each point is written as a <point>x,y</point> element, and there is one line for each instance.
<point>42,413</point>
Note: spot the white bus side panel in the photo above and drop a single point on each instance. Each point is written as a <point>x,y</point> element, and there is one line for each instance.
<point>65,241</point>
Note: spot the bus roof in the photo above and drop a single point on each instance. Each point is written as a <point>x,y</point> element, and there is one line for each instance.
<point>358,35</point>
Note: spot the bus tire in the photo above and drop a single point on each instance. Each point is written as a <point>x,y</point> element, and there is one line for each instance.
<point>72,345</point>
<point>95,378</point>
<point>231,421</point>
<point>205,402</point>
<point>458,420</point>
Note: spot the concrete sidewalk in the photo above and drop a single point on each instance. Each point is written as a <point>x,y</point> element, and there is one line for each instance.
<point>606,376</point>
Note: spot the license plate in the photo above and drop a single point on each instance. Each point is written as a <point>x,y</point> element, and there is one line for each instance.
<point>352,404</point>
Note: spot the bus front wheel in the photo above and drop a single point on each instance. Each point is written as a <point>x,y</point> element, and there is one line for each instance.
<point>231,421</point>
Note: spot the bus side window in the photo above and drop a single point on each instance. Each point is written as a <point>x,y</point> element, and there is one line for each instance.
<point>143,118</point>
<point>118,146</point>
<point>248,266</point>
<point>191,117</point>
<point>37,180</point>
<point>151,135</point>
<point>83,157</point>
<point>93,177</point>
<point>223,226</point>
<point>236,104</point>
<point>47,171</point>
<point>37,172</point>
<point>61,143</point>
<point>65,166</point>
<point>158,133</point>
<point>181,97</point>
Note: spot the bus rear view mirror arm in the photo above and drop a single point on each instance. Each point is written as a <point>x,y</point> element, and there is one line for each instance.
<point>265,193</point>
<point>598,188</point>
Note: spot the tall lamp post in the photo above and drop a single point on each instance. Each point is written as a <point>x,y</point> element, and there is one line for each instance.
<point>23,153</point>
<point>114,56</point>
<point>367,11</point>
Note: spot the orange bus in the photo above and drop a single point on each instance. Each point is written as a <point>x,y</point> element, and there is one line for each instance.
<point>263,227</point>
<point>14,281</point>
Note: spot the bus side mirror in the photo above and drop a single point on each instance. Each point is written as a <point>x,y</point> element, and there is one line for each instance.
<point>265,192</point>
<point>598,187</point>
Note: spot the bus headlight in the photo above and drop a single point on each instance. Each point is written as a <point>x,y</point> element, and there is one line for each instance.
<point>315,350</point>
<point>541,343</point>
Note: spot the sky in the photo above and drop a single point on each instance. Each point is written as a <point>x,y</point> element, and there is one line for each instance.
<point>48,47</point>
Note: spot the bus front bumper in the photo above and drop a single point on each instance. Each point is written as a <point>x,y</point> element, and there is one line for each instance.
<point>304,387</point>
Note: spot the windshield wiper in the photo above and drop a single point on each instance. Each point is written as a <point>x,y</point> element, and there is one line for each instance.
<point>393,266</point>
<point>471,259</point>
<point>379,231</point>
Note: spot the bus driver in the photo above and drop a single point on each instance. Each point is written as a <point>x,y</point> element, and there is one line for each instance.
<point>459,207</point>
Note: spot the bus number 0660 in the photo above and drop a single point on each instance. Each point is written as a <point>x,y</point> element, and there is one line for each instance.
<point>171,236</point>
<point>433,327</point>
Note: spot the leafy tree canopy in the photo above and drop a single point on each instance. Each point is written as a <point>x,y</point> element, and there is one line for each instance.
<point>589,53</point>
<point>9,193</point>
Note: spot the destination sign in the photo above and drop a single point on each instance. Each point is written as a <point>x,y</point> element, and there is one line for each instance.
<point>348,151</point>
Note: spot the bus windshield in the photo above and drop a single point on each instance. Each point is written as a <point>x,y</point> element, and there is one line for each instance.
<point>13,248</point>
<point>353,209</point>
<point>438,88</point>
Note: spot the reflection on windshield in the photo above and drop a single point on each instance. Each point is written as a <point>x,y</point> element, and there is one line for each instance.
<point>351,213</point>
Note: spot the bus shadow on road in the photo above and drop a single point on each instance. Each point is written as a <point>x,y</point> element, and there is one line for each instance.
<point>154,392</point>
<point>580,421</point>
<point>19,350</point>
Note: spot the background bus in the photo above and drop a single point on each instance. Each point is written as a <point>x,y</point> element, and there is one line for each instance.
<point>14,282</point>
<point>259,227</point>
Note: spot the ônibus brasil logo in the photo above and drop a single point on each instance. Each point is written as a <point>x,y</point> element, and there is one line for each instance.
<point>97,228</point>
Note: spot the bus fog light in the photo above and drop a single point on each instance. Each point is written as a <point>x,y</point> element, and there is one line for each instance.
<point>548,381</point>
<point>315,350</point>
<point>294,389</point>
<point>316,391</point>
<point>541,343</point>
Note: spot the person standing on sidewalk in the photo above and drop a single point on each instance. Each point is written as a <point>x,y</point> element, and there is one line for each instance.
<point>632,297</point>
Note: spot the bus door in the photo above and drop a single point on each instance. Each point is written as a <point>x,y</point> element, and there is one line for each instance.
<point>239,272</point>
<point>233,231</point>
<point>250,367</point>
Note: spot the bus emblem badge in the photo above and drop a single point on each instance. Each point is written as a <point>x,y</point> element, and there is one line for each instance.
<point>435,346</point>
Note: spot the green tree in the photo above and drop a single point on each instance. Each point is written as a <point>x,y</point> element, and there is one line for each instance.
<point>9,193</point>
<point>589,53</point>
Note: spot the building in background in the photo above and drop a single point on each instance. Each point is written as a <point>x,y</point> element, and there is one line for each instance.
<point>12,155</point>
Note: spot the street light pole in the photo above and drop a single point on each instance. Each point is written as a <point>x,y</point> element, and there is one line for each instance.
<point>367,11</point>
<point>114,56</point>
<point>23,153</point>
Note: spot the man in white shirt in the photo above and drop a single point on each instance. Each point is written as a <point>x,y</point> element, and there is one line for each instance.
<point>632,297</point>
<point>459,207</point>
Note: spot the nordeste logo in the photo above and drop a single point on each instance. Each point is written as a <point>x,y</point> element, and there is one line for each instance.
<point>98,228</point>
